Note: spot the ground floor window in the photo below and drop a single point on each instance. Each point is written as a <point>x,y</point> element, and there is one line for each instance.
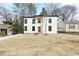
<point>78,26</point>
<point>49,28</point>
<point>71,26</point>
<point>25,28</point>
<point>33,28</point>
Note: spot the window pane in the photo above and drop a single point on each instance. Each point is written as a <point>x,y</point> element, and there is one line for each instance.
<point>25,28</point>
<point>78,26</point>
<point>71,26</point>
<point>39,21</point>
<point>50,20</point>
<point>25,21</point>
<point>33,21</point>
<point>50,28</point>
<point>33,28</point>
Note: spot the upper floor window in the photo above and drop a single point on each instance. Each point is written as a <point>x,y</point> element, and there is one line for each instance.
<point>50,28</point>
<point>25,28</point>
<point>33,21</point>
<point>39,21</point>
<point>33,28</point>
<point>50,20</point>
<point>71,26</point>
<point>25,21</point>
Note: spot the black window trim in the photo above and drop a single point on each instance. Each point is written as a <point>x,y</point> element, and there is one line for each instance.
<point>33,28</point>
<point>39,20</point>
<point>49,28</point>
<point>33,21</point>
<point>25,21</point>
<point>50,20</point>
<point>25,28</point>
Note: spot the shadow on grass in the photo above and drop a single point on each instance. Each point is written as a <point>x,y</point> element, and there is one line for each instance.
<point>2,52</point>
<point>71,33</point>
<point>74,41</point>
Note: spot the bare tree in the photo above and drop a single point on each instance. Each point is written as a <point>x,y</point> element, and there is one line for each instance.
<point>31,9</point>
<point>68,12</point>
<point>5,13</point>
<point>52,7</point>
<point>56,12</point>
<point>22,8</point>
<point>25,8</point>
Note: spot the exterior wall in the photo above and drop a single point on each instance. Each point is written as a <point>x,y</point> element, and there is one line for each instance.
<point>44,25</point>
<point>29,25</point>
<point>39,25</point>
<point>9,32</point>
<point>61,27</point>
<point>6,31</point>
<point>72,30</point>
<point>64,27</point>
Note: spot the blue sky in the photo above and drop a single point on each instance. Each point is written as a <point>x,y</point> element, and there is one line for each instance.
<point>38,5</point>
<point>7,5</point>
<point>10,6</point>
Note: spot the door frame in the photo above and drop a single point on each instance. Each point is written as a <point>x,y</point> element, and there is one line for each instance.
<point>39,29</point>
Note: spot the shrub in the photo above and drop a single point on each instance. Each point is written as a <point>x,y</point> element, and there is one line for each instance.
<point>2,34</point>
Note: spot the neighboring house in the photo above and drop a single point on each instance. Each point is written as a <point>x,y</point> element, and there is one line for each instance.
<point>6,29</point>
<point>40,24</point>
<point>68,26</point>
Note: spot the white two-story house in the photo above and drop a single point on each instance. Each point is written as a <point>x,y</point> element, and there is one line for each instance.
<point>40,24</point>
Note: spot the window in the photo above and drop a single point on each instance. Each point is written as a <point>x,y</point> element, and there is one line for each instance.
<point>33,21</point>
<point>61,27</point>
<point>25,21</point>
<point>25,28</point>
<point>50,28</point>
<point>39,21</point>
<point>33,28</point>
<point>50,20</point>
<point>78,26</point>
<point>58,27</point>
<point>71,26</point>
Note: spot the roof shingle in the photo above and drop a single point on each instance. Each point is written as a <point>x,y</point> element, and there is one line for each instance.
<point>5,26</point>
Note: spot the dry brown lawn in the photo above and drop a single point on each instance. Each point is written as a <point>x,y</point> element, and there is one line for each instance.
<point>41,45</point>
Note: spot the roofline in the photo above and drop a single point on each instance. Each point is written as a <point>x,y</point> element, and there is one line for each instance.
<point>40,15</point>
<point>70,22</point>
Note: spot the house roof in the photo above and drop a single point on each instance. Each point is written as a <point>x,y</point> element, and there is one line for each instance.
<point>5,26</point>
<point>40,16</point>
<point>70,22</point>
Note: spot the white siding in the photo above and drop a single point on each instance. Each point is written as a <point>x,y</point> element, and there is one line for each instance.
<point>53,24</point>
<point>76,29</point>
<point>29,25</point>
<point>61,26</point>
<point>44,25</point>
<point>9,32</point>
